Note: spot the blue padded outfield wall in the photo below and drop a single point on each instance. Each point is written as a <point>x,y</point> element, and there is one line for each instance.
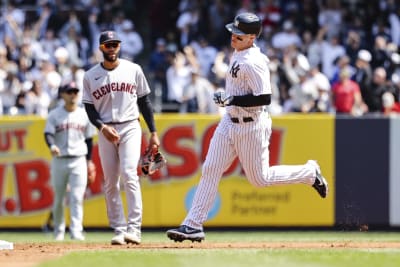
<point>367,164</point>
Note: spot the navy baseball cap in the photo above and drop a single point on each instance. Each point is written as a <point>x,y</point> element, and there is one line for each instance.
<point>108,36</point>
<point>68,87</point>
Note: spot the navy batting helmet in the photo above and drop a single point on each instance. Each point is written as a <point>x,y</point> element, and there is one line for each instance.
<point>245,23</point>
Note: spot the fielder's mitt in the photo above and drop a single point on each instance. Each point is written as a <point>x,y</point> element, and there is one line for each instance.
<point>152,160</point>
<point>91,172</point>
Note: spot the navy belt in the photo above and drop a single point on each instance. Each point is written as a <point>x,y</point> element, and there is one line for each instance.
<point>245,119</point>
<point>119,122</point>
<point>69,156</point>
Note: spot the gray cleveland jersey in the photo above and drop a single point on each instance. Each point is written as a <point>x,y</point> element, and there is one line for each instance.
<point>114,92</point>
<point>248,74</point>
<point>70,129</point>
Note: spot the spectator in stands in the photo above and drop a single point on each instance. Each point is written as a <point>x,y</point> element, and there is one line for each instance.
<point>341,63</point>
<point>63,63</point>
<point>390,106</point>
<point>245,6</point>
<point>352,46</point>
<point>323,101</point>
<point>303,91</point>
<point>363,72</point>
<point>14,21</point>
<point>377,88</point>
<point>93,33</point>
<point>275,107</point>
<point>187,24</point>
<point>72,22</point>
<point>9,88</point>
<point>51,83</point>
<point>132,43</point>
<point>159,62</point>
<point>205,54</point>
<point>19,107</point>
<point>380,55</point>
<point>346,96</point>
<point>178,76</point>
<point>37,101</point>
<point>394,23</point>
<point>381,29</point>
<point>220,67</point>
<point>50,43</point>
<point>219,13</point>
<point>287,37</point>
<point>197,95</point>
<point>330,51</point>
<point>330,18</point>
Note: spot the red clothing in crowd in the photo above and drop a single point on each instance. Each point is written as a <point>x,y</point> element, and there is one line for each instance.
<point>394,109</point>
<point>343,95</point>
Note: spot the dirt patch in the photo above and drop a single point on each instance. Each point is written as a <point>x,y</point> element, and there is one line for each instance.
<point>30,254</point>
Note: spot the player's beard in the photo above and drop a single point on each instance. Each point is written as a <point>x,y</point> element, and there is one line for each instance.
<point>111,57</point>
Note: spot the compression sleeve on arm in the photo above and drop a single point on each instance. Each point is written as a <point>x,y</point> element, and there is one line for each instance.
<point>49,138</point>
<point>93,115</point>
<point>146,109</point>
<point>89,144</point>
<point>251,100</point>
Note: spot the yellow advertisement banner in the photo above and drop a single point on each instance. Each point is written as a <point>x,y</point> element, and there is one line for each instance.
<point>295,139</point>
<point>26,194</point>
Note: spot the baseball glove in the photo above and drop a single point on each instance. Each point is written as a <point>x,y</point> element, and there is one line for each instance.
<point>152,160</point>
<point>91,172</point>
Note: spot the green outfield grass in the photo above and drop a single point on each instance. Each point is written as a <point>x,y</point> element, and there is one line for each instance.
<point>241,257</point>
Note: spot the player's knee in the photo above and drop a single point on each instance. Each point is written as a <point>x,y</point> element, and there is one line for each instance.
<point>129,175</point>
<point>211,171</point>
<point>259,181</point>
<point>111,188</point>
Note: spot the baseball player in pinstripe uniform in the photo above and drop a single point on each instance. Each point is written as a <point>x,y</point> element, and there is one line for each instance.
<point>114,91</point>
<point>68,133</point>
<point>243,132</point>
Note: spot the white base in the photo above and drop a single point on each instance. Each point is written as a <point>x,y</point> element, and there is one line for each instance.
<point>6,245</point>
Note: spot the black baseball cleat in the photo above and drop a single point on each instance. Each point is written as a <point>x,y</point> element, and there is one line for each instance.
<point>320,183</point>
<point>185,232</point>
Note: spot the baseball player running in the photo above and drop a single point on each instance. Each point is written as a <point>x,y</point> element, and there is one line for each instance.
<point>243,132</point>
<point>114,91</point>
<point>68,134</point>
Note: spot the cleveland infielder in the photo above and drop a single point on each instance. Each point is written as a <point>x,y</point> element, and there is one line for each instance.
<point>113,91</point>
<point>244,131</point>
<point>68,133</point>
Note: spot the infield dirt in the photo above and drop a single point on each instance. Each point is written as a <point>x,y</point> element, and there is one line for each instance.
<point>30,254</point>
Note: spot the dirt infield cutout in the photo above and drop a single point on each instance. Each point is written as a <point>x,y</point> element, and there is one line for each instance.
<point>30,254</point>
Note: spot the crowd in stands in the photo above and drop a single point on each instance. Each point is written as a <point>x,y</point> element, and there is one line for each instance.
<point>335,56</point>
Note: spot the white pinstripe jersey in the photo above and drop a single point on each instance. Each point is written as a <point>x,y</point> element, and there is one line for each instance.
<point>114,92</point>
<point>70,129</point>
<point>248,74</point>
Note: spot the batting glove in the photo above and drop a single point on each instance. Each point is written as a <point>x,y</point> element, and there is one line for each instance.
<point>222,99</point>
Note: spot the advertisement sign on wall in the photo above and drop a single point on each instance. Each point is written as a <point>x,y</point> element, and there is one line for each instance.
<point>26,195</point>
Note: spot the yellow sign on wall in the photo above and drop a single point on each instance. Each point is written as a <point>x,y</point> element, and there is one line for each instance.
<point>26,195</point>
<point>295,139</point>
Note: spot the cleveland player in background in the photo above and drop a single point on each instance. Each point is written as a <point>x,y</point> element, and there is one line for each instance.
<point>68,134</point>
<point>243,131</point>
<point>113,91</point>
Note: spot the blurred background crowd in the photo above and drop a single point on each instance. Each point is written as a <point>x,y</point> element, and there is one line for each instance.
<point>336,56</point>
